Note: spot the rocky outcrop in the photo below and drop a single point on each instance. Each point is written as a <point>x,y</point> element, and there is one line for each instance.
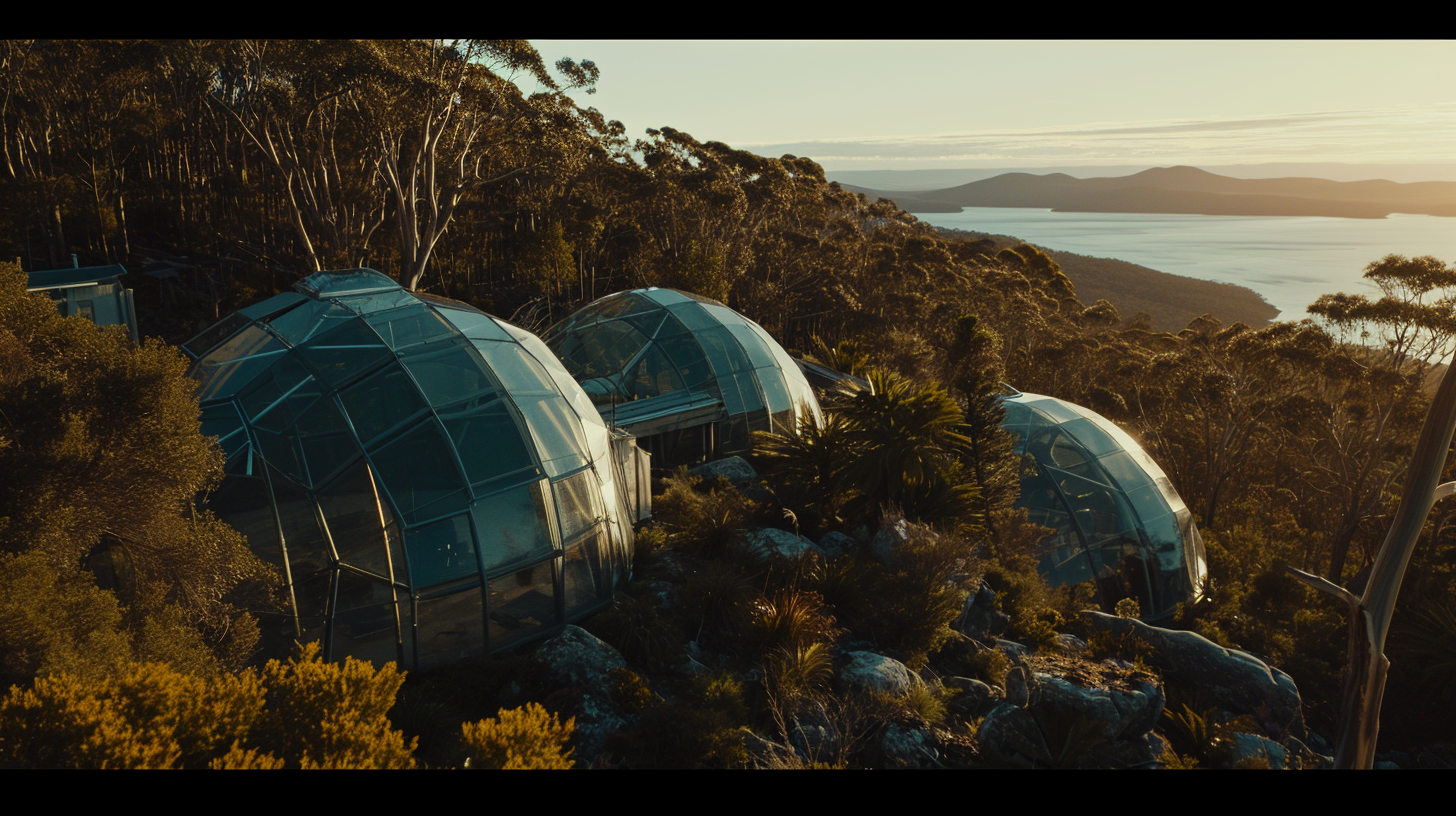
<point>1232,680</point>
<point>1064,724</point>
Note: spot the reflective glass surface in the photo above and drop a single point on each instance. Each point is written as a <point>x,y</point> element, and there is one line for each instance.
<point>400,458</point>
<point>649,342</point>
<point>1114,516</point>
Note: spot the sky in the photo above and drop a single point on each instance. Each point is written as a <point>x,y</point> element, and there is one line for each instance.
<point>874,105</point>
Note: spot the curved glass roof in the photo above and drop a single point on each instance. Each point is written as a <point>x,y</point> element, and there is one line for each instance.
<point>647,342</point>
<point>1117,519</point>
<point>429,479</point>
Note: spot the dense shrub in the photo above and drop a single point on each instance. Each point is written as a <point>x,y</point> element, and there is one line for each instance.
<point>525,739</point>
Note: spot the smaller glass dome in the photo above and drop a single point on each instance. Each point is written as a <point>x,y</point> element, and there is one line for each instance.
<point>1117,519</point>
<point>428,479</point>
<point>648,342</point>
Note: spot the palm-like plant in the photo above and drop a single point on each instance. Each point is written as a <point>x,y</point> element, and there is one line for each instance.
<point>906,438</point>
<point>808,467</point>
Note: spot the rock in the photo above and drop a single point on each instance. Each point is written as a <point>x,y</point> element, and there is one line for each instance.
<point>985,596</point>
<point>981,622</point>
<point>974,696</point>
<point>767,542</point>
<point>1018,691</point>
<point>890,536</point>
<point>1227,678</point>
<point>1070,644</point>
<point>576,657</point>
<point>834,544</point>
<point>876,672</point>
<point>692,668</point>
<point>908,748</point>
<point>815,743</point>
<point>1011,648</point>
<point>980,619</point>
<point>733,468</point>
<point>1119,713</point>
<point>1010,734</point>
<point>1248,747</point>
<point>580,661</point>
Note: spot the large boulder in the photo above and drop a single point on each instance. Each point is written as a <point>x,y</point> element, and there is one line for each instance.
<point>902,747</point>
<point>1119,713</point>
<point>733,468</point>
<point>581,663</point>
<point>876,672</point>
<point>577,657</point>
<point>1232,680</point>
<point>1068,725</point>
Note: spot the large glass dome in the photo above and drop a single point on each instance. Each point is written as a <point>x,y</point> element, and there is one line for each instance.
<point>1116,517</point>
<point>428,479</point>
<point>648,342</point>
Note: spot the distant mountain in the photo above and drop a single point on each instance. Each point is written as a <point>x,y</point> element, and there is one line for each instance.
<point>1186,190</point>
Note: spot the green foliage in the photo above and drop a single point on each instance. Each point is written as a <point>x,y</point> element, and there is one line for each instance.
<point>907,609</point>
<point>905,440</point>
<point>146,716</point>
<point>788,619</point>
<point>520,739</point>
<point>928,701</point>
<point>700,729</point>
<point>1205,736</point>
<point>716,602</point>
<point>53,622</point>
<point>100,461</point>
<point>334,715</point>
<point>634,626</point>
<point>306,713</point>
<point>629,691</point>
<point>700,517</point>
<point>809,469</point>
<point>797,670</point>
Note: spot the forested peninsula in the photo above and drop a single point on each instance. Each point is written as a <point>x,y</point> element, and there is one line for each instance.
<point>865,592</point>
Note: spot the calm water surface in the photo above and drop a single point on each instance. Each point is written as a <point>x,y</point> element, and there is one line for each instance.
<point>1291,261</point>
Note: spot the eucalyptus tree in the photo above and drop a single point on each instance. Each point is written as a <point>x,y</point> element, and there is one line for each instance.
<point>302,104</point>
<point>452,121</point>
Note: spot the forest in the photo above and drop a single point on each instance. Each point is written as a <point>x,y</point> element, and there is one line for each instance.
<point>222,172</point>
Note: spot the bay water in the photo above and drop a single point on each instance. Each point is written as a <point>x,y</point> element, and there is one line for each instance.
<point>1290,260</point>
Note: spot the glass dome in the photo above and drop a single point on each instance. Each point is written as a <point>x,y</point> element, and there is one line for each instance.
<point>1117,520</point>
<point>648,342</point>
<point>428,479</point>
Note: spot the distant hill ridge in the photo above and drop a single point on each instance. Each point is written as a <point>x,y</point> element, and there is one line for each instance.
<point>1186,190</point>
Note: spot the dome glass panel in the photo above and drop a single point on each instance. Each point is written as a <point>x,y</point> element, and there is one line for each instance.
<point>649,342</point>
<point>1114,516</point>
<point>416,469</point>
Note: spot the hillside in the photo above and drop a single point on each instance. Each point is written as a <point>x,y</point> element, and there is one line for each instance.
<point>1187,190</point>
<point>1170,300</point>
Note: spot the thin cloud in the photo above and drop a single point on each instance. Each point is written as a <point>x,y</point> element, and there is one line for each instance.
<point>1405,134</point>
